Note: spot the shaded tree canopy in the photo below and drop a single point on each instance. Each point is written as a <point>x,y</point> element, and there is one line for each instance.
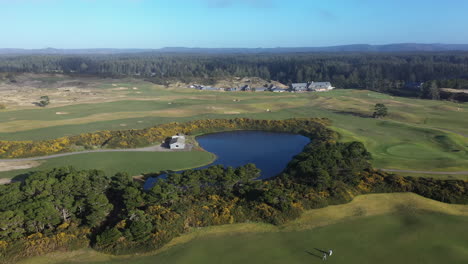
<point>380,110</point>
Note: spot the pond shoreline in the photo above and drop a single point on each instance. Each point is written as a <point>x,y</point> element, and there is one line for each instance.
<point>236,148</point>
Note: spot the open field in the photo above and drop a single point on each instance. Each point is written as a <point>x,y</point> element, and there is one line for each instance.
<point>415,230</point>
<point>420,135</point>
<point>134,163</point>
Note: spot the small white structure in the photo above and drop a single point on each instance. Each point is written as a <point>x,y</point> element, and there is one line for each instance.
<point>177,142</point>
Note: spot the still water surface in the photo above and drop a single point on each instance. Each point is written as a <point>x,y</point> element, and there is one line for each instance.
<point>269,151</point>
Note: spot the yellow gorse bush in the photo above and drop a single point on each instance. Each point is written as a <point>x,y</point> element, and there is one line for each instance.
<point>157,134</point>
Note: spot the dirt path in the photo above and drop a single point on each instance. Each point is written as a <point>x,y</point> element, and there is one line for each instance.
<point>145,149</point>
<point>429,172</point>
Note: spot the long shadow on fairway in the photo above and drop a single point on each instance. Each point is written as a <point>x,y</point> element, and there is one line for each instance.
<point>312,254</point>
<point>321,250</point>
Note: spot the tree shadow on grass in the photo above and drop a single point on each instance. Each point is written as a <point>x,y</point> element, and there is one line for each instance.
<point>353,114</point>
<point>22,177</point>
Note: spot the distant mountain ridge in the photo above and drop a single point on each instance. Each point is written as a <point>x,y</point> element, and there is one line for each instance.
<point>400,47</point>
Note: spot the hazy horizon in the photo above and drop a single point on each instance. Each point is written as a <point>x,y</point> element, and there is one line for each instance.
<point>188,47</point>
<point>145,24</point>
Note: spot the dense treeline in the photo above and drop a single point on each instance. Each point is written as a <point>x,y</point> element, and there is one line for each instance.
<point>65,209</point>
<point>313,127</point>
<point>386,72</point>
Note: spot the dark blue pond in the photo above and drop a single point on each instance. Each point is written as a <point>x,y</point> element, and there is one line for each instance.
<point>269,151</point>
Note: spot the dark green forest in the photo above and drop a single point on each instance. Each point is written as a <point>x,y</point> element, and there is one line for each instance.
<point>396,73</point>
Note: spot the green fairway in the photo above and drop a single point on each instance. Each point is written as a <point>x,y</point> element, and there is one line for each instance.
<point>402,238</point>
<point>437,176</point>
<point>379,228</point>
<point>134,163</point>
<point>419,135</point>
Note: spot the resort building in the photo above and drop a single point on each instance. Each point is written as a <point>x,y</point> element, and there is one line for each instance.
<point>320,86</point>
<point>299,87</point>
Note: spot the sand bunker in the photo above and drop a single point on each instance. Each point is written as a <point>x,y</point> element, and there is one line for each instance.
<point>119,89</point>
<point>18,165</point>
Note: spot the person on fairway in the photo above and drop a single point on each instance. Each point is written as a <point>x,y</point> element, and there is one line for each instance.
<point>330,252</point>
<point>324,256</point>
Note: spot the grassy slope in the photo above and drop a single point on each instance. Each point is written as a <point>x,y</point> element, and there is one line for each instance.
<point>133,163</point>
<point>418,134</point>
<point>383,228</point>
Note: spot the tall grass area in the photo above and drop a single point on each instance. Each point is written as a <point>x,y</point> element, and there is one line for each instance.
<point>418,134</point>
<point>379,228</point>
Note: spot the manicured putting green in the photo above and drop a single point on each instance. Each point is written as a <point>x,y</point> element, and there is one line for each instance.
<point>412,151</point>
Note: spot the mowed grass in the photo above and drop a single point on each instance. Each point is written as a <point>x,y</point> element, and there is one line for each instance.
<point>418,134</point>
<point>463,176</point>
<point>133,163</point>
<point>377,228</point>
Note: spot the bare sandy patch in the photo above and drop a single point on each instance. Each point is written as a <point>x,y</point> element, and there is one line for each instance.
<point>119,89</point>
<point>62,113</point>
<point>454,90</point>
<point>5,181</point>
<point>18,165</point>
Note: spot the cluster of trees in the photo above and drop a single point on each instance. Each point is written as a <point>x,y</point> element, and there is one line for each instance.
<point>380,110</point>
<point>321,165</point>
<point>314,127</point>
<point>386,72</point>
<point>51,210</point>
<point>43,101</point>
<point>447,191</point>
<point>430,90</point>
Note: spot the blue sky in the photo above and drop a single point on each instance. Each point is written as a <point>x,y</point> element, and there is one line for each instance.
<point>228,23</point>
